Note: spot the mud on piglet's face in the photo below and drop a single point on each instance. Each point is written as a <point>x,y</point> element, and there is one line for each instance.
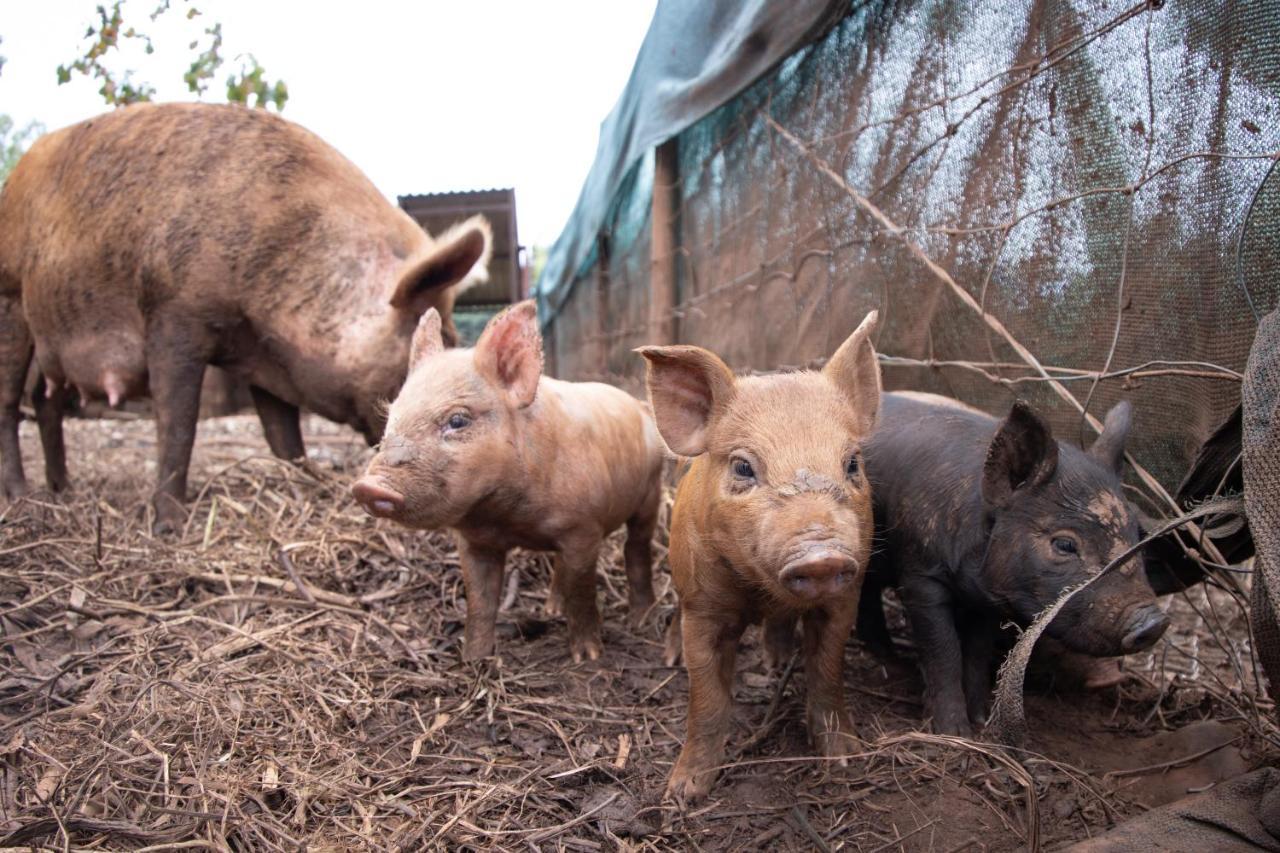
<point>1058,518</point>
<point>451,440</point>
<point>795,499</point>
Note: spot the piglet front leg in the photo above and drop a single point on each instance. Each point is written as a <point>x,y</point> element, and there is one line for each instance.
<point>482,570</point>
<point>978,644</point>
<point>710,650</point>
<point>929,608</point>
<point>779,640</point>
<point>826,630</point>
<point>576,578</point>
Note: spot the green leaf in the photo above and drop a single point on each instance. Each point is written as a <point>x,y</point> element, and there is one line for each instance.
<point>99,63</point>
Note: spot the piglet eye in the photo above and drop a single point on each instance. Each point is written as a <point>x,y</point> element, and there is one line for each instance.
<point>458,421</point>
<point>1064,546</point>
<point>851,468</point>
<point>742,468</point>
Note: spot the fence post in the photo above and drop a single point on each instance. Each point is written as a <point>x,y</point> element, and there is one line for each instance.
<point>550,358</point>
<point>664,243</point>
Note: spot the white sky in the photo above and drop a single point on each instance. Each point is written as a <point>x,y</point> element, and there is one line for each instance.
<point>425,96</point>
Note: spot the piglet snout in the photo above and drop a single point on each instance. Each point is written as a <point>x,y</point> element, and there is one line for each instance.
<point>819,572</point>
<point>377,500</point>
<point>1146,625</point>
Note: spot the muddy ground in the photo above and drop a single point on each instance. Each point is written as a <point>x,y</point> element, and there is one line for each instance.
<point>186,693</point>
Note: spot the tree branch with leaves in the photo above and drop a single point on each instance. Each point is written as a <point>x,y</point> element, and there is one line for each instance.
<point>247,85</point>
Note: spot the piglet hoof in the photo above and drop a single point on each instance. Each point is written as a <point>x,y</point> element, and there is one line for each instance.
<point>167,526</point>
<point>956,725</point>
<point>638,611</point>
<point>838,746</point>
<point>977,709</point>
<point>834,737</point>
<point>585,646</point>
<point>778,652</point>
<point>673,642</point>
<point>171,517</point>
<point>553,607</point>
<point>478,648</point>
<point>882,649</point>
<point>15,489</point>
<point>688,785</point>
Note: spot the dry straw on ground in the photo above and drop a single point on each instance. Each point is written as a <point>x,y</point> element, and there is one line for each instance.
<point>285,675</point>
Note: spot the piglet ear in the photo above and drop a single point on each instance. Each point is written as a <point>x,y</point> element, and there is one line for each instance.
<point>427,340</point>
<point>509,353</point>
<point>687,387</point>
<point>1108,449</point>
<point>1022,454</point>
<point>856,372</point>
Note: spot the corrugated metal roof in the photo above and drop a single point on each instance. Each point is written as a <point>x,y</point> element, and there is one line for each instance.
<point>497,192</point>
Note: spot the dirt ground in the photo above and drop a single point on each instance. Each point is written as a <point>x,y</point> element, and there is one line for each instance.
<point>187,694</point>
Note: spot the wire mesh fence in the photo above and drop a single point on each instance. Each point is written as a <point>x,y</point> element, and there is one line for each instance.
<point>1068,202</point>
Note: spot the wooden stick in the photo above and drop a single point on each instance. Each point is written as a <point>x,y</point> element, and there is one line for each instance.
<point>282,585</point>
<point>662,251</point>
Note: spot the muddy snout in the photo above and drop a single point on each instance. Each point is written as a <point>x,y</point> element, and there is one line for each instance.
<point>1146,625</point>
<point>378,499</point>
<point>819,572</point>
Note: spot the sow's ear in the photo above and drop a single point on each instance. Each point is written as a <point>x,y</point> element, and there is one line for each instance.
<point>464,248</point>
<point>687,385</point>
<point>1108,448</point>
<point>509,353</point>
<point>427,340</point>
<point>855,371</point>
<point>1022,453</point>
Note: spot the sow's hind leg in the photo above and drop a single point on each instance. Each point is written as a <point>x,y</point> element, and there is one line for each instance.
<point>15,357</point>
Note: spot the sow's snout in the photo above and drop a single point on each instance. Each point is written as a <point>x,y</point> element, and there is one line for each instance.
<point>377,498</point>
<point>818,573</point>
<point>1146,625</point>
